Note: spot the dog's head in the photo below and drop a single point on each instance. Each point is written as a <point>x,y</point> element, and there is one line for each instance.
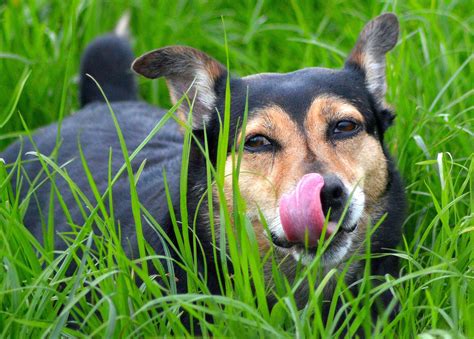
<point>313,144</point>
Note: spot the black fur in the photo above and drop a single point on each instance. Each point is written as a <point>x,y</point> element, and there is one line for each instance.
<point>93,128</point>
<point>107,59</point>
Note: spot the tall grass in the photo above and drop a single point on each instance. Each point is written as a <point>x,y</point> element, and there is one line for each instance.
<point>430,85</point>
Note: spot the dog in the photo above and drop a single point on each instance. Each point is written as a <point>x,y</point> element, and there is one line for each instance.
<point>314,167</point>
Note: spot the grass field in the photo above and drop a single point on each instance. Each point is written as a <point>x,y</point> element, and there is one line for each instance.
<point>430,77</point>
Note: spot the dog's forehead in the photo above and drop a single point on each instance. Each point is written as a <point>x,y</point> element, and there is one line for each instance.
<point>294,92</point>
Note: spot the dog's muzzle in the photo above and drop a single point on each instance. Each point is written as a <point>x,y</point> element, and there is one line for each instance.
<point>303,211</point>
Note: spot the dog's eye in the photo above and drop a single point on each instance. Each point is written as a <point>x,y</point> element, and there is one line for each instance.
<point>345,128</point>
<point>257,143</point>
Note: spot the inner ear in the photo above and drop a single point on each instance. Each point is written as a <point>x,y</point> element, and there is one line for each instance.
<point>377,38</point>
<point>188,72</point>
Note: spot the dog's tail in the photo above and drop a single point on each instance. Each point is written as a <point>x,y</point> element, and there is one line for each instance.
<point>107,59</point>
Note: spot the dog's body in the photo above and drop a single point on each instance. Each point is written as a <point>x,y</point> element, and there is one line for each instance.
<point>313,145</point>
<point>94,129</point>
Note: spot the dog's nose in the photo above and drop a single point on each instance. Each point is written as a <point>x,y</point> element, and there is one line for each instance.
<point>333,196</point>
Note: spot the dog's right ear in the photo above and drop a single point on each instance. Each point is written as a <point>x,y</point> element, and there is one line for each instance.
<point>188,71</point>
<point>377,38</point>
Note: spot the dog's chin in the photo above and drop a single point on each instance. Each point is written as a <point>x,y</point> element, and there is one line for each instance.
<point>333,253</point>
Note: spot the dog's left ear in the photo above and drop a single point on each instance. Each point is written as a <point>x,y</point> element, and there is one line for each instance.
<point>377,38</point>
<point>188,71</point>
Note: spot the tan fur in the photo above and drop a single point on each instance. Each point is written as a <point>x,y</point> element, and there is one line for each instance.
<point>264,177</point>
<point>262,174</point>
<point>358,160</point>
<point>358,57</point>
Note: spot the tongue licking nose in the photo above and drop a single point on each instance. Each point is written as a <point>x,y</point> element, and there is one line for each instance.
<point>301,211</point>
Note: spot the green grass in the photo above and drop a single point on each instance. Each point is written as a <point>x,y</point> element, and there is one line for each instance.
<point>430,85</point>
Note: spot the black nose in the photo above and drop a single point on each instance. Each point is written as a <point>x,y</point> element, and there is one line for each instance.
<point>333,196</point>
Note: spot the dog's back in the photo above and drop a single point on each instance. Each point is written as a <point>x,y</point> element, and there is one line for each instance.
<point>107,60</point>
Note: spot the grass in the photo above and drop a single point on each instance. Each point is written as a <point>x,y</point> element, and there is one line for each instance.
<point>430,85</point>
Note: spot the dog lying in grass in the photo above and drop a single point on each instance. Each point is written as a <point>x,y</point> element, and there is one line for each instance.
<point>312,166</point>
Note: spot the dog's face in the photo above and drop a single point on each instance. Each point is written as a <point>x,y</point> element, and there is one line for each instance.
<point>313,162</point>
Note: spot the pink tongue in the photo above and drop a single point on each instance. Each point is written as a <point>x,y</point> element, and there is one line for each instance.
<point>301,211</point>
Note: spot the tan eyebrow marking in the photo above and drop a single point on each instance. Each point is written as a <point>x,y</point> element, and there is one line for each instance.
<point>325,107</point>
<point>271,121</point>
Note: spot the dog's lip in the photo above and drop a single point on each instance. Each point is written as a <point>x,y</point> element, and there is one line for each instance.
<point>349,229</point>
<point>286,245</point>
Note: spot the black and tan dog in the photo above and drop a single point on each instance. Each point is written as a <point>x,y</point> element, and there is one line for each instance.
<point>313,144</point>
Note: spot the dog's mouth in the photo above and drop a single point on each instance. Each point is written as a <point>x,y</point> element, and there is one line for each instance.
<point>283,243</point>
<point>331,253</point>
<point>303,227</point>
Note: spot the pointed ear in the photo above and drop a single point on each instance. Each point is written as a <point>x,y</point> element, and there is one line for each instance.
<point>377,38</point>
<point>187,71</point>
